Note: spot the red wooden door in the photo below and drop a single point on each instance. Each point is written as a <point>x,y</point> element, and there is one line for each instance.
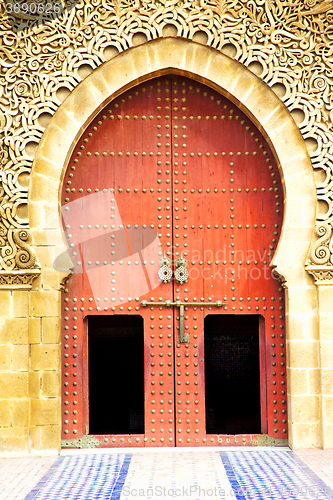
<point>171,168</point>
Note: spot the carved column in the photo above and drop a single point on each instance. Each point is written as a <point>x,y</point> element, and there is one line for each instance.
<point>324,282</point>
<point>320,266</point>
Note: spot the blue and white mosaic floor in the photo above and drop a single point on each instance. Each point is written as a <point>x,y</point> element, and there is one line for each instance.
<point>187,475</point>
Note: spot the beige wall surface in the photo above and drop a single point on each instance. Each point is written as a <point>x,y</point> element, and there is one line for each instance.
<point>30,371</point>
<point>290,107</point>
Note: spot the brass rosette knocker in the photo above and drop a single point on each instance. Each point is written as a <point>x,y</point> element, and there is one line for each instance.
<point>181,273</point>
<point>165,271</point>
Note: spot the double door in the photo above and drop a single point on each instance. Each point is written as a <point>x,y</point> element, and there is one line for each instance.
<point>172,208</point>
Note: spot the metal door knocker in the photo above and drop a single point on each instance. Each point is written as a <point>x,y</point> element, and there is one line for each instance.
<point>165,271</point>
<point>181,273</point>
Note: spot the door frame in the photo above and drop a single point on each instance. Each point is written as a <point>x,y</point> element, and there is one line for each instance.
<point>230,78</point>
<point>263,376</point>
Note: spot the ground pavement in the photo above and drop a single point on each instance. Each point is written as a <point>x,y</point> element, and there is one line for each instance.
<point>187,474</point>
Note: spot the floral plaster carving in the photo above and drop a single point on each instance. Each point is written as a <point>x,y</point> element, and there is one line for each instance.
<point>289,44</point>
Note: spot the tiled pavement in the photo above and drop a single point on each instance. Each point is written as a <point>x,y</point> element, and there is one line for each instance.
<point>188,474</point>
<point>321,463</point>
<point>19,475</point>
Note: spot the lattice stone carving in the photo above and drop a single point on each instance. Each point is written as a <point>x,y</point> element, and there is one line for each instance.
<point>287,44</point>
<point>321,275</point>
<point>21,280</point>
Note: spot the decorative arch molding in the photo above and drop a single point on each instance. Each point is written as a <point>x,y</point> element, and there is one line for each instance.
<point>218,71</point>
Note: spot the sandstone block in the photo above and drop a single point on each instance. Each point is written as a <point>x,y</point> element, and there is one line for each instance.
<point>305,436</point>
<point>45,356</point>
<point>51,437</point>
<point>34,437</point>
<point>20,303</point>
<point>302,326</point>
<point>326,322</point>
<point>13,385</point>
<point>20,358</point>
<point>314,381</point>
<point>44,303</point>
<point>45,437</point>
<point>51,384</point>
<point>35,330</point>
<point>5,412</point>
<point>328,437</point>
<point>327,383</point>
<point>328,410</point>
<point>303,300</point>
<point>325,298</point>
<point>51,279</point>
<point>298,381</point>
<point>14,330</point>
<point>5,303</point>
<point>45,257</point>
<point>304,409</point>
<point>5,357</point>
<point>327,354</point>
<point>34,384</point>
<point>21,413</point>
<point>45,411</point>
<point>51,332</point>
<point>14,439</point>
<point>303,354</point>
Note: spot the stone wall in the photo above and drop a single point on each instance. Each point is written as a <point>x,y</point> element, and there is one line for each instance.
<point>30,370</point>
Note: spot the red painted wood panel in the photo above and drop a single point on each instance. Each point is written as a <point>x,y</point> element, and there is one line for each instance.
<point>172,167</point>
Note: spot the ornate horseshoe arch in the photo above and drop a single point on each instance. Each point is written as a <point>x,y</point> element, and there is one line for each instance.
<point>255,99</point>
<point>221,73</point>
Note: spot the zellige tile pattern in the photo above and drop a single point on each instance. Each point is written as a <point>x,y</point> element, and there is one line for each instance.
<point>84,477</point>
<point>279,475</point>
<point>191,474</point>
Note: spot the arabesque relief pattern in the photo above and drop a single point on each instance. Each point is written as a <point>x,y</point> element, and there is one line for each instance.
<point>289,44</point>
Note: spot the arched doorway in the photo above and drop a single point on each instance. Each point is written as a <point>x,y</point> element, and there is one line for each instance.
<point>173,171</point>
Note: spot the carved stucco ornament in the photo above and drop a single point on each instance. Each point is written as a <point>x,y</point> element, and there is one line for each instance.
<point>289,45</point>
<point>320,264</point>
<point>18,260</point>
